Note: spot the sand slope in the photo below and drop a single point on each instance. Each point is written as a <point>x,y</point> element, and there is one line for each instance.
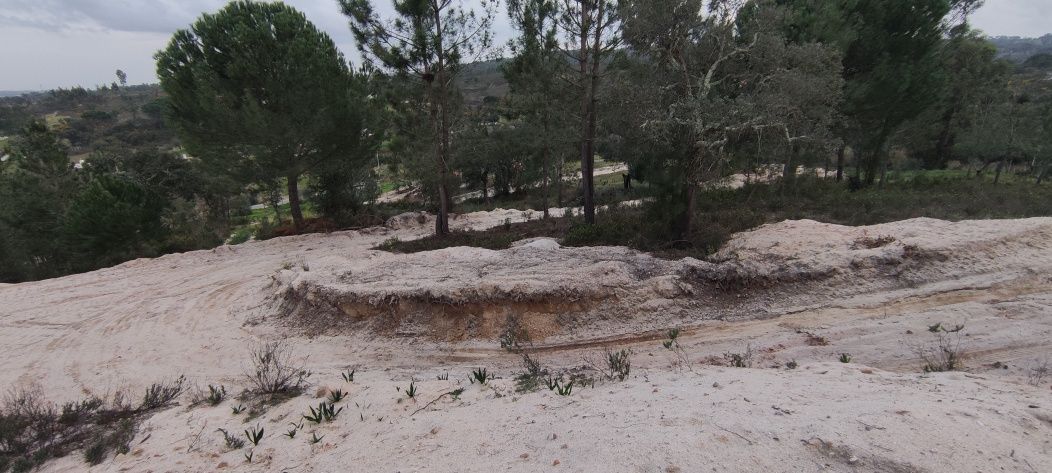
<point>867,291</point>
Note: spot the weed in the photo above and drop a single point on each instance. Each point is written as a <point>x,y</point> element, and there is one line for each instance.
<point>291,433</point>
<point>255,435</point>
<point>564,390</point>
<point>336,395</point>
<point>514,336</point>
<point>216,395</point>
<point>618,364</point>
<point>455,394</point>
<point>944,353</point>
<point>248,456</point>
<point>326,412</point>
<point>479,375</point>
<point>232,441</point>
<point>237,409</point>
<point>845,358</point>
<point>671,342</point>
<point>348,375</point>
<point>411,392</point>
<point>314,439</point>
<point>530,378</point>
<point>1038,371</point>
<point>274,371</point>
<point>552,384</point>
<point>740,360</point>
<point>791,365</point>
<point>935,328</point>
<point>162,394</point>
<point>443,376</point>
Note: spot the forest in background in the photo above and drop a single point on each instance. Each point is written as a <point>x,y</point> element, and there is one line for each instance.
<point>948,124</point>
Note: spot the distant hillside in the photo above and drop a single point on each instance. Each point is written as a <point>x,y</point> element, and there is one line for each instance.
<point>1019,49</point>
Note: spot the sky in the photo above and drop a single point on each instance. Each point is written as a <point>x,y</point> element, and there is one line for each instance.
<point>46,44</point>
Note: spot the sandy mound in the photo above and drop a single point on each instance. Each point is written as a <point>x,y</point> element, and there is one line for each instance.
<point>796,291</point>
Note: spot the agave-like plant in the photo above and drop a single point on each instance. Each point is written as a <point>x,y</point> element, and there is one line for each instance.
<point>255,435</point>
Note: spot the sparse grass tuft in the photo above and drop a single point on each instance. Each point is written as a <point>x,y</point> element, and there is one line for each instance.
<point>237,409</point>
<point>162,394</point>
<point>216,394</point>
<point>410,392</point>
<point>845,358</point>
<point>336,395</point>
<point>348,375</point>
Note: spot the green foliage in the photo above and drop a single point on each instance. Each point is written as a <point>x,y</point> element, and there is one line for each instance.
<point>618,364</point>
<point>326,412</point>
<point>237,409</point>
<point>845,358</point>
<point>232,441</point>
<point>314,439</point>
<point>259,94</point>
<point>348,375</point>
<point>478,375</point>
<point>216,394</point>
<point>411,392</point>
<point>336,395</point>
<point>162,394</point>
<point>254,435</point>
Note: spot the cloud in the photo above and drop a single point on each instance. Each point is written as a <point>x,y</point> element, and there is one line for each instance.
<point>146,16</point>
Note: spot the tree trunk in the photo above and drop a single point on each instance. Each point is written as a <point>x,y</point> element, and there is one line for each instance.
<point>997,172</point>
<point>840,162</point>
<point>559,181</point>
<point>546,162</point>
<point>294,203</point>
<point>688,217</point>
<point>1044,172</point>
<point>587,133</point>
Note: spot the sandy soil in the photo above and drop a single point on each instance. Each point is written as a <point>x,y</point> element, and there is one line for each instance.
<point>794,291</point>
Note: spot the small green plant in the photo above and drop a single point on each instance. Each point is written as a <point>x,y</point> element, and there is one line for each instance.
<point>291,433</point>
<point>254,435</point>
<point>237,409</point>
<point>216,394</point>
<point>411,391</point>
<point>348,375</point>
<point>248,456</point>
<point>455,394</point>
<point>325,412</point>
<point>945,354</point>
<point>740,360</point>
<point>233,442</point>
<point>443,376</point>
<point>479,375</point>
<point>792,365</point>
<point>670,342</point>
<point>336,395</point>
<point>564,390</point>
<point>935,328</point>
<point>314,439</point>
<point>845,358</point>
<point>619,363</point>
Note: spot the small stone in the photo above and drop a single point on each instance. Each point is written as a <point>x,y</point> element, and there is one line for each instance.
<point>853,460</point>
<point>524,456</point>
<point>556,462</point>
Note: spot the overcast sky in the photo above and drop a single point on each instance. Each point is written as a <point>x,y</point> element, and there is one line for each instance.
<point>60,43</point>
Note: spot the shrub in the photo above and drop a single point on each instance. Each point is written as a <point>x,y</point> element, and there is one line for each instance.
<point>514,336</point>
<point>232,441</point>
<point>161,394</point>
<point>274,371</point>
<point>618,364</point>
<point>216,395</point>
<point>944,353</point>
<point>740,360</point>
<point>530,378</point>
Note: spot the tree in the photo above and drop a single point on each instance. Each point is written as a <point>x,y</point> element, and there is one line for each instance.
<point>591,36</point>
<point>723,73</point>
<point>122,78</point>
<point>890,66</point>
<point>538,93</point>
<point>36,185</point>
<point>428,40</point>
<point>259,93</point>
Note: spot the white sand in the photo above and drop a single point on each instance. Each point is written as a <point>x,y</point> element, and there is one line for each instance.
<point>197,313</point>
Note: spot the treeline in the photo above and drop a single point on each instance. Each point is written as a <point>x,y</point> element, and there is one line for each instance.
<point>685,92</point>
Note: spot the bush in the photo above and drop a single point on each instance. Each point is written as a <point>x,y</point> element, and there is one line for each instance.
<point>274,371</point>
<point>944,353</point>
